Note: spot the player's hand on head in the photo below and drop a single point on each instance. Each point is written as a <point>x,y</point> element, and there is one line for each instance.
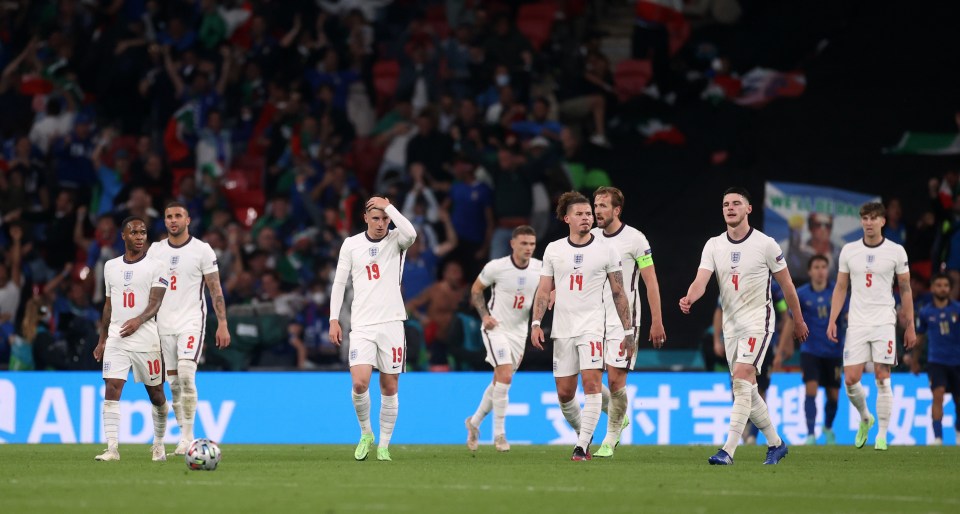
<point>377,202</point>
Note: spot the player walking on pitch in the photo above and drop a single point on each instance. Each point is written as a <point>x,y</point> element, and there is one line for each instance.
<point>128,335</point>
<point>939,327</point>
<point>579,266</point>
<point>637,259</point>
<point>870,265</point>
<point>505,318</point>
<point>373,262</point>
<point>189,264</point>
<point>744,260</point>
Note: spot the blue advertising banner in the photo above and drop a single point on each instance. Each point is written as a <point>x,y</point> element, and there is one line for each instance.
<point>315,408</point>
<point>807,220</point>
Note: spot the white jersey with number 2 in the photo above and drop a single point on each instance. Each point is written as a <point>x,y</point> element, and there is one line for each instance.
<point>184,304</point>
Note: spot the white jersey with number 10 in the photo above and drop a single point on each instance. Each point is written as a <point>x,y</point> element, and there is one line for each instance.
<point>579,273</point>
<point>127,285</point>
<point>744,270</point>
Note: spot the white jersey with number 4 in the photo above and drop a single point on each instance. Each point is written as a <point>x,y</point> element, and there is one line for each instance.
<point>513,291</point>
<point>872,270</point>
<point>635,254</point>
<point>375,268</point>
<point>579,273</point>
<point>744,270</point>
<point>127,285</point>
<point>184,266</point>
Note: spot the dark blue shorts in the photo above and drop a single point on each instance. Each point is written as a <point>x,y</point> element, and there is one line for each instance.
<point>825,371</point>
<point>942,375</point>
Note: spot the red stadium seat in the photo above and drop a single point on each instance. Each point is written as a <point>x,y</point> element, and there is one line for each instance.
<point>367,157</point>
<point>535,21</point>
<point>631,77</point>
<point>386,75</point>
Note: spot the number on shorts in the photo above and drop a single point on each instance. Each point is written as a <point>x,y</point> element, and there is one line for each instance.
<point>869,279</point>
<point>518,302</point>
<point>128,299</point>
<point>596,348</point>
<point>190,343</point>
<point>397,355</point>
<point>154,367</point>
<point>889,347</point>
<point>373,272</point>
<point>173,282</point>
<point>736,282</point>
<point>752,342</point>
<point>578,280</point>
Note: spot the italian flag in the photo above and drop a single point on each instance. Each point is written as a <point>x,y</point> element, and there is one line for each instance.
<point>180,128</point>
<point>926,143</point>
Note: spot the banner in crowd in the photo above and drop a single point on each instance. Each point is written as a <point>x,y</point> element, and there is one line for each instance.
<point>807,220</point>
<point>315,408</point>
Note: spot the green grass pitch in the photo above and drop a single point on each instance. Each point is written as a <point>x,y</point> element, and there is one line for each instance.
<point>450,479</point>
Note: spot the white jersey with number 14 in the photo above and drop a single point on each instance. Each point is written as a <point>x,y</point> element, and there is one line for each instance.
<point>579,273</point>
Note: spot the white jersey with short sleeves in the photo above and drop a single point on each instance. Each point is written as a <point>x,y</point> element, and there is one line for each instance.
<point>375,268</point>
<point>744,271</point>
<point>513,291</point>
<point>635,254</point>
<point>184,266</point>
<point>128,286</point>
<point>579,273</point>
<point>872,271</point>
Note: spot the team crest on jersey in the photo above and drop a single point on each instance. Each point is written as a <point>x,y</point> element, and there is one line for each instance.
<point>174,260</point>
<point>128,275</point>
<point>577,259</point>
<point>734,257</point>
<point>521,281</point>
<point>374,251</point>
<point>871,258</point>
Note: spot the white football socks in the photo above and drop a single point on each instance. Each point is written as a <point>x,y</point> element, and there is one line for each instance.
<point>742,405</point>
<point>589,419</point>
<point>187,376</point>
<point>761,418</point>
<point>389,407</point>
<point>858,398</point>
<point>605,395</point>
<point>618,408</point>
<point>160,422</point>
<point>177,399</point>
<point>500,401</point>
<point>111,422</point>
<point>361,404</point>
<point>571,412</point>
<point>486,405</point>
<point>884,406</point>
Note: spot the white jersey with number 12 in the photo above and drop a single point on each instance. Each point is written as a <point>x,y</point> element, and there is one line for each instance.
<point>513,291</point>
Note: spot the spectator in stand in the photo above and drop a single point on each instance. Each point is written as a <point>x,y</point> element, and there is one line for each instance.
<point>456,53</point>
<point>55,244</point>
<point>110,179</point>
<point>420,77</point>
<point>420,268</point>
<point>278,218</point>
<point>74,153</point>
<point>26,162</point>
<point>105,244</point>
<point>895,230</point>
<point>506,46</point>
<point>512,199</point>
<point>11,282</point>
<point>471,210</point>
<point>214,149</point>
<point>436,308</point>
<point>431,148</point>
<point>538,123</point>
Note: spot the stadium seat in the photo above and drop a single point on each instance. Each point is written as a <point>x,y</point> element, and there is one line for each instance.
<point>631,77</point>
<point>535,21</point>
<point>386,75</point>
<point>367,157</point>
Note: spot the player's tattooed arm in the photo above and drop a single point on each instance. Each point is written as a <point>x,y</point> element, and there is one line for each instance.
<point>620,298</point>
<point>477,299</point>
<point>153,305</point>
<point>216,295</point>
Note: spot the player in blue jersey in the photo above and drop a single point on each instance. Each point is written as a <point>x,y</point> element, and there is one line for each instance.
<point>938,325</point>
<point>820,358</point>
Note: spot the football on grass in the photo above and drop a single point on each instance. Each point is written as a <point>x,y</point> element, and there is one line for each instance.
<point>203,454</point>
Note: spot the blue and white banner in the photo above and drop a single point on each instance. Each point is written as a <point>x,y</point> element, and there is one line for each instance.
<point>315,408</point>
<point>807,220</point>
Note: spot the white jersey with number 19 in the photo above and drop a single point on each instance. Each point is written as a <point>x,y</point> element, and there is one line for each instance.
<point>375,268</point>
<point>744,271</point>
<point>127,285</point>
<point>579,273</point>
<point>872,270</point>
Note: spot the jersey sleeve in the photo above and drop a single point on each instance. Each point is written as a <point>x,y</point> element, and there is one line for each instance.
<point>208,260</point>
<point>344,265</point>
<point>706,258</point>
<point>903,265</point>
<point>157,280</point>
<point>614,264</point>
<point>844,265</point>
<point>644,255</point>
<point>546,270</point>
<point>106,279</point>
<point>487,274</point>
<point>774,256</point>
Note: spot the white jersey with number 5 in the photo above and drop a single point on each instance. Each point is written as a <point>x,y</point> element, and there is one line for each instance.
<point>744,270</point>
<point>375,268</point>
<point>184,304</point>
<point>127,285</point>
<point>635,254</point>
<point>513,291</point>
<point>872,270</point>
<point>579,273</point>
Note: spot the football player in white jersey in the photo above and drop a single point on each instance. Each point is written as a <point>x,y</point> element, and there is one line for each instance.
<point>189,263</point>
<point>637,259</point>
<point>134,289</point>
<point>744,260</point>
<point>870,265</point>
<point>579,266</point>
<point>373,262</point>
<point>505,318</point>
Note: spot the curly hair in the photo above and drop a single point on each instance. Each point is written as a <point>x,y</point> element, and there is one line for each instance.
<point>566,200</point>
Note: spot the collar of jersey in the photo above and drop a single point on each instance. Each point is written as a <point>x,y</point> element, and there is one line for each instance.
<point>592,237</point>
<point>617,233</point>
<point>882,239</point>
<point>372,240</point>
<point>125,261</point>
<point>515,263</point>
<point>185,243</point>
<point>740,240</point>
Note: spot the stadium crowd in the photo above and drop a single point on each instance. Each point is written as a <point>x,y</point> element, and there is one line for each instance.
<point>274,121</point>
